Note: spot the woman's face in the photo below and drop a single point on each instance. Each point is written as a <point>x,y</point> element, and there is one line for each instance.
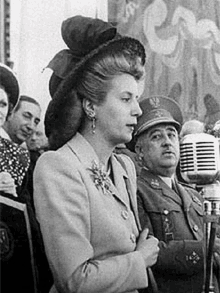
<point>3,106</point>
<point>117,116</point>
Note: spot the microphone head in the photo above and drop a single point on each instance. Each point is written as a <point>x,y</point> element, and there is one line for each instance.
<point>199,158</point>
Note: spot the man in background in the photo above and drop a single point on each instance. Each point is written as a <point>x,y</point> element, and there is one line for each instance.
<point>173,212</point>
<point>23,120</point>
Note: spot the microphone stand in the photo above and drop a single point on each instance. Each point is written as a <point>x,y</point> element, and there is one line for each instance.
<point>211,194</point>
<point>200,164</point>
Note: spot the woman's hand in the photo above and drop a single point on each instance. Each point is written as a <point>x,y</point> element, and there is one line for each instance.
<point>7,184</point>
<point>148,247</point>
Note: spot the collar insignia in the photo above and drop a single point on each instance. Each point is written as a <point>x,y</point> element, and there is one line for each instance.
<point>196,200</point>
<point>155,183</point>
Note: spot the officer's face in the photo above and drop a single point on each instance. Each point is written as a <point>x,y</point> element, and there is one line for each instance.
<point>160,149</point>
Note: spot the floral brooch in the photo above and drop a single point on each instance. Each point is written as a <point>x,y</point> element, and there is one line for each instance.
<point>100,177</point>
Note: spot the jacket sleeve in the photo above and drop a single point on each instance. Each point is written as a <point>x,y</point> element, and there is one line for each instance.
<point>63,210</point>
<point>176,257</point>
<point>180,257</point>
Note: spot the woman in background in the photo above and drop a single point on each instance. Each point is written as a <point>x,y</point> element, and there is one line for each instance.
<point>85,195</point>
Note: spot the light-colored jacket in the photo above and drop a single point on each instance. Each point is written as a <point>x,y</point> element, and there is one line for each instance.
<point>89,236</point>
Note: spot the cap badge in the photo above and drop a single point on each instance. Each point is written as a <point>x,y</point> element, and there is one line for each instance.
<point>154,102</point>
<point>159,114</point>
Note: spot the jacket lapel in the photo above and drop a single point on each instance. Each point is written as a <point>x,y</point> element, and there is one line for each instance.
<point>129,190</point>
<point>119,188</point>
<point>87,155</point>
<point>83,150</point>
<point>186,198</point>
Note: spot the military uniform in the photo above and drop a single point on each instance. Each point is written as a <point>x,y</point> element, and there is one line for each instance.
<point>177,221</point>
<point>174,214</point>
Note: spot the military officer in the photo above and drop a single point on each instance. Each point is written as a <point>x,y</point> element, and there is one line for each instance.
<point>172,211</point>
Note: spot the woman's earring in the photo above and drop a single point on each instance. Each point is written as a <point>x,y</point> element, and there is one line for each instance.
<point>91,116</point>
<point>93,125</point>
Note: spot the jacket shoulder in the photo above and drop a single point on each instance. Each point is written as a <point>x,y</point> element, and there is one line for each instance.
<point>193,192</point>
<point>126,163</point>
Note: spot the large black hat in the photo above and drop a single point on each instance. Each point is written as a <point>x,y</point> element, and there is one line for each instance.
<point>86,37</point>
<point>10,83</point>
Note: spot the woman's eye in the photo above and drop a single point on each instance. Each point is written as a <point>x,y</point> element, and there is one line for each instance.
<point>3,104</point>
<point>126,99</point>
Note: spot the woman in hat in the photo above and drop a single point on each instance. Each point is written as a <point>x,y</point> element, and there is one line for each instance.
<point>85,195</point>
<point>14,160</point>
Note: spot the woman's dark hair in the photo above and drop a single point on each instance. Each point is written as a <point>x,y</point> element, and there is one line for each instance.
<point>92,83</point>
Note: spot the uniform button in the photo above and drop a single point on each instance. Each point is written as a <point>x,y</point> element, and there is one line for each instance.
<point>195,228</point>
<point>124,214</point>
<point>166,212</point>
<point>133,238</point>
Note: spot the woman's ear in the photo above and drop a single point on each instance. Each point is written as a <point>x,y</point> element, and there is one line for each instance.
<point>89,108</point>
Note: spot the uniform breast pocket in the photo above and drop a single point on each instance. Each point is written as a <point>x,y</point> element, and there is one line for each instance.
<point>195,215</point>
<point>165,222</point>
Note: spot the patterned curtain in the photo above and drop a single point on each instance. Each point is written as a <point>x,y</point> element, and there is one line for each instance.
<point>182,42</point>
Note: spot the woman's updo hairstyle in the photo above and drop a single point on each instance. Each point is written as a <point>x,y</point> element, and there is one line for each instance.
<point>89,79</point>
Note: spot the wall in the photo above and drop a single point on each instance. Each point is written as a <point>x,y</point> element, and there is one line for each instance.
<point>36,38</point>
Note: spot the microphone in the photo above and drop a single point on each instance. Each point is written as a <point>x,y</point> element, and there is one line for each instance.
<point>199,164</point>
<point>199,158</point>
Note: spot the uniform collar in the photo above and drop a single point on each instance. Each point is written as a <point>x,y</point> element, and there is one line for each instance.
<point>153,181</point>
<point>167,180</point>
<point>156,182</point>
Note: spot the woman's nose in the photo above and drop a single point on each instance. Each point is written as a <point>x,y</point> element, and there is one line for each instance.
<point>137,110</point>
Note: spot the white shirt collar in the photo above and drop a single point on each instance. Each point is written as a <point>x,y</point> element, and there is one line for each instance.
<point>167,180</point>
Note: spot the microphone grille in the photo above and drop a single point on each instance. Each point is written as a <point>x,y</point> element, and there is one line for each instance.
<point>199,158</point>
